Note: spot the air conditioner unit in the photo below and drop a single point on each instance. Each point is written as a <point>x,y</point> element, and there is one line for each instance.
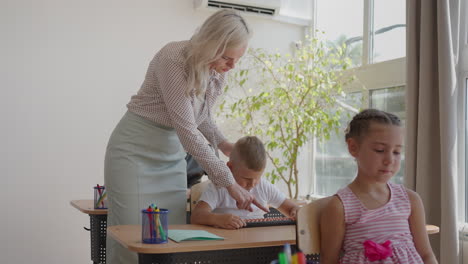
<point>257,7</point>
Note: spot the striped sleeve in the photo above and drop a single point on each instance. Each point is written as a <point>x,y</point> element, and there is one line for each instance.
<point>173,82</point>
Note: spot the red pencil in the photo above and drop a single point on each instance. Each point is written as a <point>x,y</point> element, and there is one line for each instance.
<point>150,219</point>
<point>301,259</point>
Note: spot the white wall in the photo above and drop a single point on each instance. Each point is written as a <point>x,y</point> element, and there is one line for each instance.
<point>67,69</point>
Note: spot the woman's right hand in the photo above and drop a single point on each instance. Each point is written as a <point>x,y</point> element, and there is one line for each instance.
<point>243,198</point>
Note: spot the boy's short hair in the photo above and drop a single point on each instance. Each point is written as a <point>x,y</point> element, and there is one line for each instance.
<point>251,152</point>
<point>361,122</point>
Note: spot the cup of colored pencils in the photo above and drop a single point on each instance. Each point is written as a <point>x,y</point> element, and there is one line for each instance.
<point>100,197</point>
<point>154,225</point>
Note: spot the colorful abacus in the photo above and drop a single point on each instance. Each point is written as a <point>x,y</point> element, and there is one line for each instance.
<point>269,221</point>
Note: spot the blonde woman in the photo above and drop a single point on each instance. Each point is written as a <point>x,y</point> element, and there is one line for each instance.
<point>170,115</point>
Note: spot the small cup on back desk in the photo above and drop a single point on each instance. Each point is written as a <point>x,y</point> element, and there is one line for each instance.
<point>100,197</point>
<point>154,226</point>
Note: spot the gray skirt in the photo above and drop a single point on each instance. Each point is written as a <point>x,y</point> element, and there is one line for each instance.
<point>144,164</point>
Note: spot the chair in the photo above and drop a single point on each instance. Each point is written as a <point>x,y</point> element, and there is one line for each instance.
<point>308,227</point>
<point>194,171</point>
<point>195,193</point>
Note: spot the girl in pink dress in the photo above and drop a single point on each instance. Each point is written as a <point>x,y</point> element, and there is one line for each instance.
<point>372,220</point>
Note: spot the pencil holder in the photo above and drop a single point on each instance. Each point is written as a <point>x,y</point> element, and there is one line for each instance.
<point>154,226</point>
<point>100,197</point>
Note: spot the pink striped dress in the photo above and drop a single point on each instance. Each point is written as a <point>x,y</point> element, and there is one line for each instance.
<point>389,222</point>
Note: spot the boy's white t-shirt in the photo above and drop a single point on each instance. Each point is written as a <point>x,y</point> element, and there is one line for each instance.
<point>222,203</point>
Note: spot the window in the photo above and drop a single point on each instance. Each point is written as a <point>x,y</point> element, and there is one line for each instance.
<point>334,167</point>
<point>390,30</point>
<point>347,29</point>
<point>374,32</point>
<point>332,160</point>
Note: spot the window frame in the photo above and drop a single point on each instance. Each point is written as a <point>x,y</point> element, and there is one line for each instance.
<point>395,75</point>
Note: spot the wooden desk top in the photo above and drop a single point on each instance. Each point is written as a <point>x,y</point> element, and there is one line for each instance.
<point>87,207</point>
<point>130,237</point>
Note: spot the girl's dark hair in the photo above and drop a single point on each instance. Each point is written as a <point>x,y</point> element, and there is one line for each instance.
<point>360,123</point>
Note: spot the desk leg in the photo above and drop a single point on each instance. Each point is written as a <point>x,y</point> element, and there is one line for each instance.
<point>227,256</point>
<point>98,226</point>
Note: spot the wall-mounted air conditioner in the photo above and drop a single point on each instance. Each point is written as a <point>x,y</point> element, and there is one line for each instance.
<point>281,10</point>
<point>258,7</point>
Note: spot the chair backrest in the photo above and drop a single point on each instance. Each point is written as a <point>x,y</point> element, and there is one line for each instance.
<point>308,226</point>
<point>196,191</point>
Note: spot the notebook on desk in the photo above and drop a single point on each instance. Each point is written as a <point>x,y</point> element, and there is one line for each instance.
<point>192,235</point>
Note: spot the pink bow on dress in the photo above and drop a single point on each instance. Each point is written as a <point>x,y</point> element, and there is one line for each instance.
<point>375,251</point>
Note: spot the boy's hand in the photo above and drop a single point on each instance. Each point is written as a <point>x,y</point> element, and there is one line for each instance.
<point>229,221</point>
<point>259,205</point>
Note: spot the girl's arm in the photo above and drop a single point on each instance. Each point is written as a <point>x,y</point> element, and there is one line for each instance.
<point>417,223</point>
<point>332,231</point>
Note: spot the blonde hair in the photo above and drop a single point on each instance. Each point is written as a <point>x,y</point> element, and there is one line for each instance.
<point>251,152</point>
<point>225,29</point>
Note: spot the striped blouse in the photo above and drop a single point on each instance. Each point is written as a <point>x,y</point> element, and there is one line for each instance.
<point>389,222</point>
<point>162,99</point>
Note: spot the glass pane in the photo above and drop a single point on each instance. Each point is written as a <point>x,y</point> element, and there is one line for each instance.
<point>335,168</point>
<point>391,100</point>
<point>342,22</point>
<point>390,30</point>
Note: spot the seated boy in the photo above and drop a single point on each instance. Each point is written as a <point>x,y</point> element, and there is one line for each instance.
<point>247,162</point>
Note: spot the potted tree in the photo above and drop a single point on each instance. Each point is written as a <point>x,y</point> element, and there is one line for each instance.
<point>286,100</point>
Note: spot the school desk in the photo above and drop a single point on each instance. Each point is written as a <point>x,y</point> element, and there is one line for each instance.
<point>246,245</point>
<point>97,228</point>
